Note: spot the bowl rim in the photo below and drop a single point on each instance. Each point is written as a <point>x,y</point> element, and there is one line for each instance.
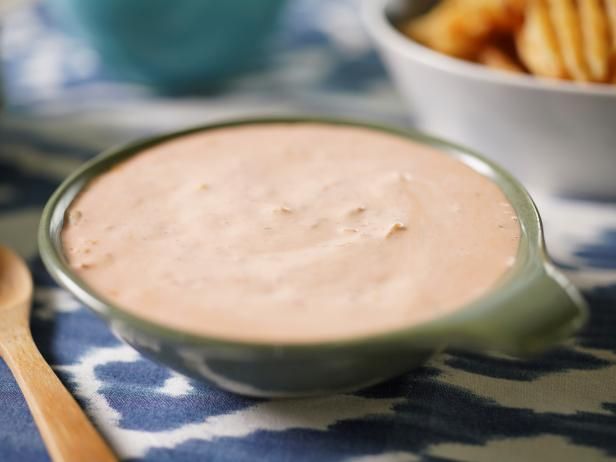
<point>531,259</point>
<point>382,30</point>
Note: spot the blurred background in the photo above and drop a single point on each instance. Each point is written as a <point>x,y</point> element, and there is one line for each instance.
<point>149,65</point>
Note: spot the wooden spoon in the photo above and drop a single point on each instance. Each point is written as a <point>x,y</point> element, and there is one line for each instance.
<point>66,431</point>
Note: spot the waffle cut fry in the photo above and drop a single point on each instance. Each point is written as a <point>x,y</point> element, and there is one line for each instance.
<point>596,38</point>
<point>565,20</point>
<point>537,42</point>
<point>611,16</point>
<point>460,27</point>
<point>496,57</point>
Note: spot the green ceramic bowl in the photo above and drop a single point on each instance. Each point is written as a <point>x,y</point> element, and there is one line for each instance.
<point>531,308</point>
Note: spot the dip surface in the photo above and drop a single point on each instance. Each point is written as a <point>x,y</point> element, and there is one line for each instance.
<point>290,233</point>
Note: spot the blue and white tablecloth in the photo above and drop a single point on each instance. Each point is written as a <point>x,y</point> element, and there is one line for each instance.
<point>61,111</point>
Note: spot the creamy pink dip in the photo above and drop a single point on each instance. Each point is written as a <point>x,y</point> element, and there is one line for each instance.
<point>291,233</point>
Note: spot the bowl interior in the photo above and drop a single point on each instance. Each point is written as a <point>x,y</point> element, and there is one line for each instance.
<point>399,10</point>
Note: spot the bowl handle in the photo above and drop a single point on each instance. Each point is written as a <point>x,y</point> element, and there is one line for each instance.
<point>535,314</point>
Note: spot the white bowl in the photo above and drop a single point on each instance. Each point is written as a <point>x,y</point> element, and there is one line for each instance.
<point>555,136</point>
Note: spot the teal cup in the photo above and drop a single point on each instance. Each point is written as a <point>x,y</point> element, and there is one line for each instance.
<point>175,46</point>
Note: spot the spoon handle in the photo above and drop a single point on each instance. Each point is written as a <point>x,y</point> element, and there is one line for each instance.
<point>66,431</point>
